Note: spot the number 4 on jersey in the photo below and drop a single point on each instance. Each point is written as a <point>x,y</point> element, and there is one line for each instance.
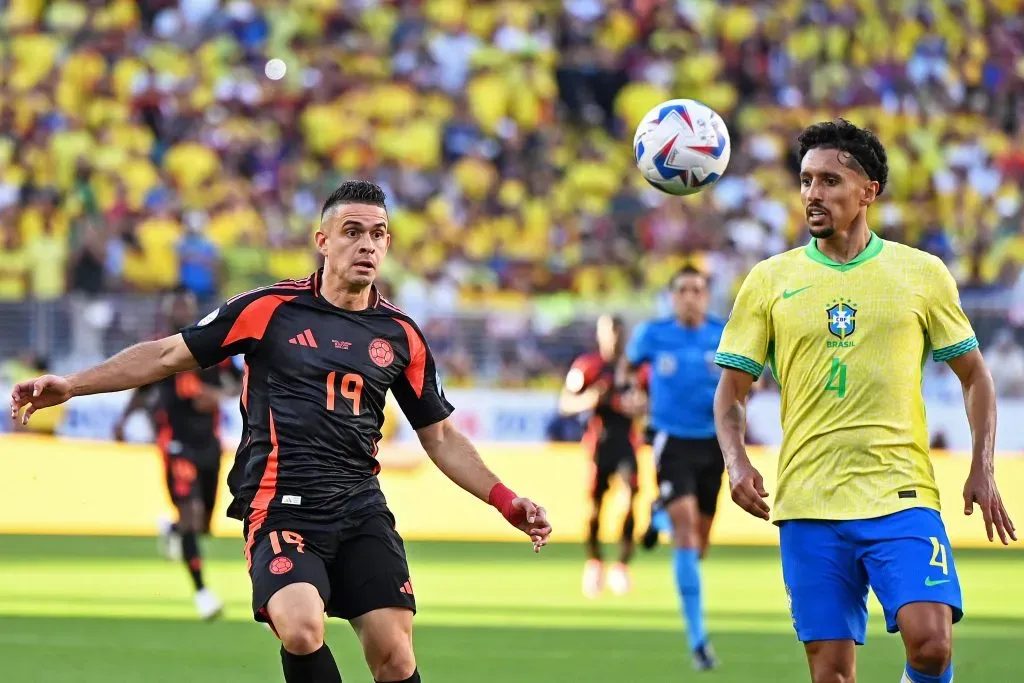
<point>837,378</point>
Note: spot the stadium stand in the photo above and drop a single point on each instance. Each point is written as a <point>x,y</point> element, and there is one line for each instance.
<point>142,144</point>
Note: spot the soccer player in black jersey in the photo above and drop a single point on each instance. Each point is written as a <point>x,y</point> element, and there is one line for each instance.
<point>320,355</point>
<point>598,383</point>
<point>185,412</point>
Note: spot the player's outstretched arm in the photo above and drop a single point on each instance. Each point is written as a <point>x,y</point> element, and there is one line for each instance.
<point>134,367</point>
<point>456,457</point>
<point>573,403</point>
<point>980,401</point>
<point>745,482</point>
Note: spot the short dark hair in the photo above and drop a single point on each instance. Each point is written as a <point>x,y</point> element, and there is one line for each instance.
<point>866,153</point>
<point>355,192</point>
<point>690,269</point>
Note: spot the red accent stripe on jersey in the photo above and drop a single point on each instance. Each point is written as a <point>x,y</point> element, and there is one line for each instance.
<point>256,520</point>
<point>294,281</point>
<point>245,386</point>
<point>268,483</point>
<point>417,357</point>
<point>309,338</point>
<point>252,322</point>
<point>590,436</point>
<point>300,340</point>
<point>316,283</point>
<point>164,436</point>
<point>387,304</point>
<point>246,293</point>
<point>283,284</point>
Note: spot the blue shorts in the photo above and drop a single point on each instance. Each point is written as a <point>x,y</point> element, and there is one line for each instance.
<point>828,565</point>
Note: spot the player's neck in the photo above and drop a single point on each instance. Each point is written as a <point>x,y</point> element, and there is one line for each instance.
<point>342,295</point>
<point>843,247</point>
<point>689,323</point>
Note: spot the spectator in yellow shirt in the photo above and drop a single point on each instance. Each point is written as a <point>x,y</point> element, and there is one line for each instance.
<point>14,263</point>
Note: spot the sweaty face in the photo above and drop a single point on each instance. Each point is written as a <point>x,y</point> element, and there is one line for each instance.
<point>609,336</point>
<point>353,239</point>
<point>690,297</point>
<point>834,190</point>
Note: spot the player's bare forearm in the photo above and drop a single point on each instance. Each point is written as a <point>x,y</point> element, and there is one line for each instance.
<point>731,414</point>
<point>980,402</point>
<point>746,485</point>
<point>980,488</point>
<point>457,458</point>
<point>570,403</point>
<point>134,367</point>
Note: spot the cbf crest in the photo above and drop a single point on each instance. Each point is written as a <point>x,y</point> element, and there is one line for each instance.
<point>842,318</point>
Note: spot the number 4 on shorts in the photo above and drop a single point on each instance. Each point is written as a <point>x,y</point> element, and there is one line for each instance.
<point>939,556</point>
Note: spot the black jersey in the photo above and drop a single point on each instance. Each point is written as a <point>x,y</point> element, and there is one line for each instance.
<point>181,426</point>
<point>313,395</point>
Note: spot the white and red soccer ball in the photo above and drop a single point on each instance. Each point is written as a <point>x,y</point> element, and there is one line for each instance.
<point>682,146</point>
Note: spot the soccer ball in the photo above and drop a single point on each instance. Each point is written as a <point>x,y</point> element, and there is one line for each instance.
<point>682,146</point>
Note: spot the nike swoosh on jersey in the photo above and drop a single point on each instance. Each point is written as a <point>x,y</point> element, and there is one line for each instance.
<point>793,292</point>
<point>929,582</point>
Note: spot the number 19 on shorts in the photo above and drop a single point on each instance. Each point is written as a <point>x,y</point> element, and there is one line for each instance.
<point>837,378</point>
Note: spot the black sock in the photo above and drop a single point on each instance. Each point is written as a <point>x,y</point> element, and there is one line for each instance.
<point>415,678</point>
<point>593,541</point>
<point>193,560</point>
<point>316,667</point>
<point>627,544</point>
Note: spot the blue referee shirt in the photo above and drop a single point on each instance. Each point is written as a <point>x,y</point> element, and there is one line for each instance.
<point>683,374</point>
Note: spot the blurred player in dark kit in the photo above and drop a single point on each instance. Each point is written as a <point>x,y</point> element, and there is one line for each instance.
<point>185,412</point>
<point>598,383</point>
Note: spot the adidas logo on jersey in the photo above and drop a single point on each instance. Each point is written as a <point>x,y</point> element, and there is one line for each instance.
<point>303,339</point>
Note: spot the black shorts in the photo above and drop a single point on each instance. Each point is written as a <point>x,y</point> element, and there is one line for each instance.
<point>689,467</point>
<point>613,454</point>
<point>355,570</point>
<point>193,473</point>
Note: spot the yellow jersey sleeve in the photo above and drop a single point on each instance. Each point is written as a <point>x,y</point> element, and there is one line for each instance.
<point>949,330</point>
<point>747,334</point>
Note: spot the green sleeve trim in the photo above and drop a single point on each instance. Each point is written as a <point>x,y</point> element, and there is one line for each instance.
<point>955,351</point>
<point>738,362</point>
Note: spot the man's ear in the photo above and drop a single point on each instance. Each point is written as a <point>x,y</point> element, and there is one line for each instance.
<point>320,238</point>
<point>870,193</point>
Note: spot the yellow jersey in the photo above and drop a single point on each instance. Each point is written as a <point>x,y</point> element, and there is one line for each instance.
<point>847,344</point>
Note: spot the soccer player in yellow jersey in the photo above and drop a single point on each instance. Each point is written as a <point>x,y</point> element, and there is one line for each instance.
<point>846,324</point>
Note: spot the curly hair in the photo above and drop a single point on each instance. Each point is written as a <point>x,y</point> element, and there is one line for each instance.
<point>355,192</point>
<point>864,153</point>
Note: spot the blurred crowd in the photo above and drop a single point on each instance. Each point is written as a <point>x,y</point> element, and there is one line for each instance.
<point>147,143</point>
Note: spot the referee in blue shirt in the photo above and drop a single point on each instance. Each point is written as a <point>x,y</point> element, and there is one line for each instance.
<point>680,352</point>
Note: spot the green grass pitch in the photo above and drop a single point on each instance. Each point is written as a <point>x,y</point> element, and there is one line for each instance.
<point>97,610</point>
